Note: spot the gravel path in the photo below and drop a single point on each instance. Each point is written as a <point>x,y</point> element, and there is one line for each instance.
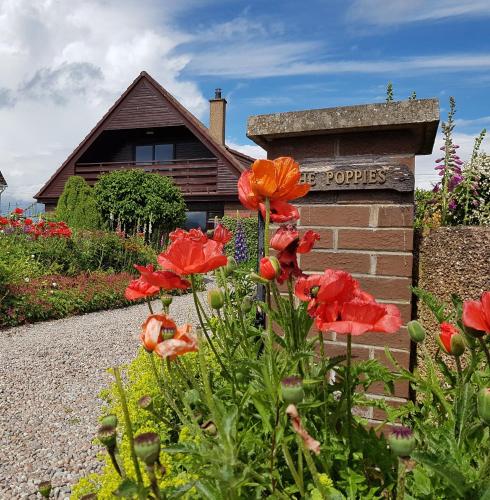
<point>50,376</point>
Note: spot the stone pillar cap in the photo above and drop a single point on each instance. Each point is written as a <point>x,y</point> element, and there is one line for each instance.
<point>419,115</point>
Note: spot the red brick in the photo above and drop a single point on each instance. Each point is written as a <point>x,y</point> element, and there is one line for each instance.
<point>394,265</point>
<point>335,215</point>
<point>326,238</point>
<point>350,262</point>
<point>333,349</point>
<point>395,216</point>
<point>401,389</point>
<point>401,357</point>
<point>387,288</point>
<point>376,239</point>
<point>398,340</point>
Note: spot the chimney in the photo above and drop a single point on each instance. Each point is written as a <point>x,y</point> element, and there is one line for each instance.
<point>217,117</point>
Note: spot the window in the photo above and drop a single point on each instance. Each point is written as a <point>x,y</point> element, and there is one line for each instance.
<point>195,220</point>
<point>153,153</point>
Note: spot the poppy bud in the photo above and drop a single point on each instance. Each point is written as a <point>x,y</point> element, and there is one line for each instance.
<point>269,268</point>
<point>108,420</point>
<point>167,300</point>
<point>216,298</point>
<point>209,428</point>
<point>450,340</point>
<point>147,447</point>
<point>44,488</point>
<point>246,304</point>
<point>258,279</point>
<point>401,441</point>
<point>483,404</point>
<point>107,436</point>
<point>314,291</point>
<point>230,267</point>
<point>416,331</point>
<point>292,390</point>
<point>145,403</point>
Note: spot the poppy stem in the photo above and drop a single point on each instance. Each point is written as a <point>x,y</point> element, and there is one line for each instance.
<point>485,350</point>
<point>204,329</point>
<point>349,394</point>
<point>458,367</point>
<point>127,422</point>
<point>148,301</point>
<point>266,228</point>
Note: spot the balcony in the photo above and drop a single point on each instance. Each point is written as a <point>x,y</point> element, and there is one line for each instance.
<point>192,176</point>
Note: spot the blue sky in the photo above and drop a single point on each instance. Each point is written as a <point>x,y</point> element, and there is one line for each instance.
<point>63,65</point>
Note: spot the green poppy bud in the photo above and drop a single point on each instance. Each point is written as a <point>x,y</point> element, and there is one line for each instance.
<point>216,299</point>
<point>230,266</point>
<point>401,441</point>
<point>314,291</point>
<point>44,488</point>
<point>167,300</point>
<point>145,403</point>
<point>292,390</point>
<point>147,447</point>
<point>416,331</point>
<point>483,404</point>
<point>258,279</point>
<point>209,428</point>
<point>108,420</point>
<point>107,436</point>
<point>457,345</point>
<point>246,304</point>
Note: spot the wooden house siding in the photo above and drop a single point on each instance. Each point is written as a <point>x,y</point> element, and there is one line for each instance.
<point>143,108</point>
<point>147,114</point>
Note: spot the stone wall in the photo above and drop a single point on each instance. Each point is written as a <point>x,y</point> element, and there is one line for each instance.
<point>451,260</point>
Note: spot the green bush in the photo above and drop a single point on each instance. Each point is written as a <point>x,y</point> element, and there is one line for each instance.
<point>251,226</point>
<point>77,206</point>
<point>136,201</point>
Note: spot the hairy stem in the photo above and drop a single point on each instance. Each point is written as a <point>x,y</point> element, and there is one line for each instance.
<point>349,394</point>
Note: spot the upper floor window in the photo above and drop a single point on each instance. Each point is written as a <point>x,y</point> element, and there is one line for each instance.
<point>154,153</point>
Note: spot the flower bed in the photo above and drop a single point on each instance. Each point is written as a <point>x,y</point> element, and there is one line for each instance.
<point>249,405</point>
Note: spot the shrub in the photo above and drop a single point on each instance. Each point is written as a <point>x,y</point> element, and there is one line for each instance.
<point>77,206</point>
<point>251,229</point>
<point>136,201</point>
<point>55,296</point>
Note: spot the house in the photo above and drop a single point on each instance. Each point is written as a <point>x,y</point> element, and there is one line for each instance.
<point>3,187</point>
<point>148,128</point>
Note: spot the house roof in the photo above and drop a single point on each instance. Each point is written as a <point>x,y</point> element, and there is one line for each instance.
<point>235,160</point>
<point>3,182</point>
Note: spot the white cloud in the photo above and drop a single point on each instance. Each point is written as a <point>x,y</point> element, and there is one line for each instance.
<point>249,149</point>
<point>62,64</point>
<point>426,176</point>
<point>394,12</point>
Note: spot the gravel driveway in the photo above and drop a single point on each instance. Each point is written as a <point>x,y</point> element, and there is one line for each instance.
<point>50,376</point>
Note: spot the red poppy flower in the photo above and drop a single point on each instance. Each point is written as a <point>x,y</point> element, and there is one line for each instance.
<point>280,212</point>
<point>358,317</point>
<point>4,221</point>
<point>451,340</point>
<point>193,235</point>
<point>305,285</point>
<point>222,235</point>
<point>18,211</point>
<point>269,268</point>
<point>287,242</point>
<point>155,329</point>
<point>192,253</point>
<point>138,289</point>
<point>245,194</point>
<point>181,343</point>
<point>27,222</point>
<point>337,286</point>
<point>476,314</point>
<point>162,279</point>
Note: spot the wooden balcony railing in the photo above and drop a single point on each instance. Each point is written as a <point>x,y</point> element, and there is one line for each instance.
<point>193,176</point>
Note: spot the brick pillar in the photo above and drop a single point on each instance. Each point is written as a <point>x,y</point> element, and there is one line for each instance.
<point>360,161</point>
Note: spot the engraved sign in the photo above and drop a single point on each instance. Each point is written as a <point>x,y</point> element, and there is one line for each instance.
<point>324,177</point>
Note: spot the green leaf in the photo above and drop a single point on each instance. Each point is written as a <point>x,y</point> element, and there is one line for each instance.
<point>128,489</point>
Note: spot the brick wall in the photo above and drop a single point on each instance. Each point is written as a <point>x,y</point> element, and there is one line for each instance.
<point>374,242</point>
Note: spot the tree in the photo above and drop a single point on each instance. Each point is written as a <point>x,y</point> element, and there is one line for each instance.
<point>136,201</point>
<point>77,205</point>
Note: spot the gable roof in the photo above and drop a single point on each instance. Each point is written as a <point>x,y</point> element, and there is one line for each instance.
<point>231,158</point>
<point>3,182</point>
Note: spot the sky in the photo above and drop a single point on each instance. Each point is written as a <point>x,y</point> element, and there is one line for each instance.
<point>64,62</point>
